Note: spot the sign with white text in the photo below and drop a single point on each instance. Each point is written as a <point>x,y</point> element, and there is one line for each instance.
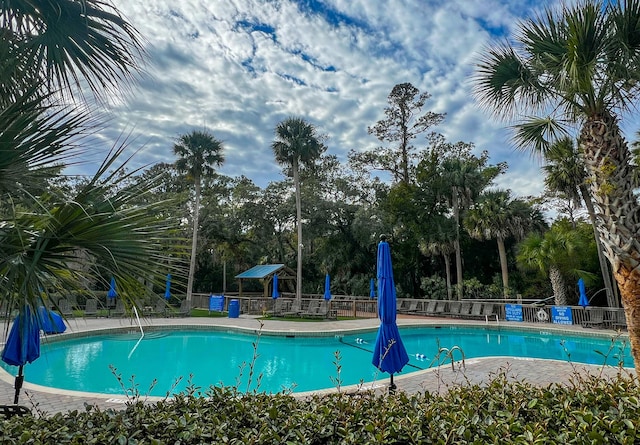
<point>561,315</point>
<point>513,312</point>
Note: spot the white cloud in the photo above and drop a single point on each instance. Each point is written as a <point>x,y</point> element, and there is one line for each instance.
<point>239,67</point>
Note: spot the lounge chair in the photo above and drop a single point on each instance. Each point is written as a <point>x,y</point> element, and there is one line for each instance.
<point>619,320</point>
<point>278,307</point>
<point>320,310</point>
<point>429,309</point>
<point>441,307</point>
<point>293,310</point>
<point>476,311</point>
<point>595,317</point>
<point>413,307</point>
<point>160,308</point>
<point>465,309</point>
<point>454,309</point>
<point>118,311</point>
<point>312,309</point>
<point>65,307</point>
<point>91,308</point>
<point>403,306</point>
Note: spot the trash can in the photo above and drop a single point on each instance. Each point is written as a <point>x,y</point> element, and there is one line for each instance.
<point>234,309</point>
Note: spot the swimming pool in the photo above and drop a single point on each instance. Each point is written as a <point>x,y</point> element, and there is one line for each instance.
<point>299,363</point>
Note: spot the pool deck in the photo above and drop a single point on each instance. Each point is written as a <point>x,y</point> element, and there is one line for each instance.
<point>476,371</point>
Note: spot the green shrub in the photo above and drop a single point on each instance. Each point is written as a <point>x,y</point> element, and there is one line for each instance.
<point>588,410</point>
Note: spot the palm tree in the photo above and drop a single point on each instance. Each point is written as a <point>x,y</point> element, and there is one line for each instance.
<point>441,241</point>
<point>198,153</point>
<point>462,181</point>
<point>50,239</point>
<point>566,174</point>
<point>556,255</point>
<point>60,45</point>
<point>496,216</point>
<point>296,145</point>
<point>579,64</point>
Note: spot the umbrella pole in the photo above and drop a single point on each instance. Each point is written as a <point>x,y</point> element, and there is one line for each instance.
<point>18,385</point>
<point>392,386</point>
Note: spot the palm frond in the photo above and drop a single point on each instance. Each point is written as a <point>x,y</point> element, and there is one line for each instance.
<point>537,134</point>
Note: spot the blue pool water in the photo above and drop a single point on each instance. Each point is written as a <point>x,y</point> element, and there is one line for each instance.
<point>300,363</point>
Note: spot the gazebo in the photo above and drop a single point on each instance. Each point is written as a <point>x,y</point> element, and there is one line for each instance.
<point>265,273</point>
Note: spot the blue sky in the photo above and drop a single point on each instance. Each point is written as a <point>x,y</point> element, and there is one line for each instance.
<point>238,67</point>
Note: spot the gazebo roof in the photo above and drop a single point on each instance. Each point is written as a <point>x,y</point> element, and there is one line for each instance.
<point>260,271</point>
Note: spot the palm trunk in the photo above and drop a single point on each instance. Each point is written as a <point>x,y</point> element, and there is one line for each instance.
<point>559,286</point>
<point>607,158</point>
<point>612,295</point>
<point>456,244</point>
<point>296,183</point>
<point>194,241</point>
<point>502,252</point>
<point>447,270</point>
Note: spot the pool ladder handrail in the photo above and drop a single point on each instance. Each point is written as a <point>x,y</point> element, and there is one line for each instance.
<point>486,318</point>
<point>449,354</point>
<point>141,332</point>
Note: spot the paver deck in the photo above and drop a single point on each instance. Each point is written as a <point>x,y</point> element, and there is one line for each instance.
<point>539,372</point>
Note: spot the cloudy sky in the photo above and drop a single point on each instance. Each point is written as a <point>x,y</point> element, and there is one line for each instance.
<point>238,67</point>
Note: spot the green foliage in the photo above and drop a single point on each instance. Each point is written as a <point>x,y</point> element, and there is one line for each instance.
<point>503,410</point>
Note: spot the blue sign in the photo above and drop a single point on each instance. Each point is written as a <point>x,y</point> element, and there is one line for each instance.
<point>561,315</point>
<point>513,312</point>
<point>216,303</point>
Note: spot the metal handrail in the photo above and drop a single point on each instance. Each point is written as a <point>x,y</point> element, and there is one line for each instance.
<point>449,354</point>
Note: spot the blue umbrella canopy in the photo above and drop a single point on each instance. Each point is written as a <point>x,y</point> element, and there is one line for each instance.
<point>275,293</point>
<point>50,322</point>
<point>23,342</point>
<point>167,289</point>
<point>112,289</point>
<point>583,301</point>
<point>22,346</point>
<point>327,287</point>
<point>389,353</point>
<point>372,288</point>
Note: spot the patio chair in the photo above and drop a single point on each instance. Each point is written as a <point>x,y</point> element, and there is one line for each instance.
<point>91,308</point>
<point>118,311</point>
<point>403,306</point>
<point>454,309</point>
<point>278,307</point>
<point>441,307</point>
<point>595,317</point>
<point>465,309</point>
<point>65,307</point>
<point>476,311</point>
<point>619,320</point>
<point>312,309</point>
<point>293,310</point>
<point>160,308</point>
<point>413,307</point>
<point>428,308</point>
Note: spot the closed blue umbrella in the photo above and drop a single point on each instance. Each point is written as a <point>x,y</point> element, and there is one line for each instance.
<point>112,289</point>
<point>111,295</point>
<point>389,353</point>
<point>372,288</point>
<point>167,289</point>
<point>275,293</point>
<point>327,287</point>
<point>583,301</point>
<point>22,346</point>
<point>50,322</point>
